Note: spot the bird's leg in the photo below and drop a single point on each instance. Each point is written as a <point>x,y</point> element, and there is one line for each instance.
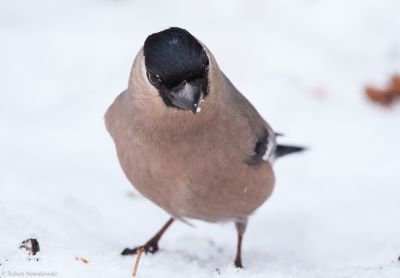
<point>240,227</point>
<point>152,245</point>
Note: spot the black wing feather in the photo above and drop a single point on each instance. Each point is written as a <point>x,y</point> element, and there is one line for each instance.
<point>259,149</point>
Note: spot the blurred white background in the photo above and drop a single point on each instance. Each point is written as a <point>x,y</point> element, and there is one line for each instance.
<point>303,64</point>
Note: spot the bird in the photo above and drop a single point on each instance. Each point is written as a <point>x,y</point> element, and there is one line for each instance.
<point>188,140</point>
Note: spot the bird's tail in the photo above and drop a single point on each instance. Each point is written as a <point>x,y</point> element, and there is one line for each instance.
<point>282,150</point>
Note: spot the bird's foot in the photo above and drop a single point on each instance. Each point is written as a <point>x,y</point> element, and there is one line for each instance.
<point>238,263</point>
<point>149,247</point>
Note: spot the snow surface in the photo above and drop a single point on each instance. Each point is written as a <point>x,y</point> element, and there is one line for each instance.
<point>304,63</point>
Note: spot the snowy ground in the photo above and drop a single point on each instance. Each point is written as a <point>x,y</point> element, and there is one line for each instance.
<point>304,63</point>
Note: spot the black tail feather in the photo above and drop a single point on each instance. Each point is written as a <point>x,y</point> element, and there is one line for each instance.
<point>282,150</point>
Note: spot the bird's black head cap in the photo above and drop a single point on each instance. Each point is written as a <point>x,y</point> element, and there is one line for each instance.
<point>174,55</point>
<point>172,58</point>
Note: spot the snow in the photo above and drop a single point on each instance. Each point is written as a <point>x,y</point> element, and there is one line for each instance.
<point>303,64</point>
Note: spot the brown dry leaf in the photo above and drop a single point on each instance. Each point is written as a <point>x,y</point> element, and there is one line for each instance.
<point>379,96</point>
<point>385,96</point>
<point>85,261</point>
<point>396,84</point>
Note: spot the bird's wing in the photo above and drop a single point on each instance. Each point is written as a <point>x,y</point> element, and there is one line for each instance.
<point>263,136</point>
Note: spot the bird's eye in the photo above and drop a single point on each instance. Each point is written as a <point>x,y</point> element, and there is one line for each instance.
<point>154,79</point>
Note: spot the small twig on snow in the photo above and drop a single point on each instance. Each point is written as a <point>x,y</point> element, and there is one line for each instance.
<point>138,254</point>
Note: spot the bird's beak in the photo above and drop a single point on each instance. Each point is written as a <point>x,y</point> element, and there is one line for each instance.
<point>188,96</point>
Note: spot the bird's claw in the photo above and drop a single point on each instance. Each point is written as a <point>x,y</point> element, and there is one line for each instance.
<point>238,263</point>
<point>149,247</point>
